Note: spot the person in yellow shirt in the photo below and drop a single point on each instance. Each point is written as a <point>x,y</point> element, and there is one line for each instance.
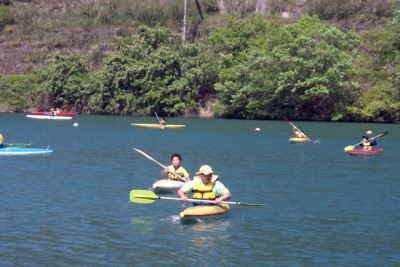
<point>1,140</point>
<point>176,168</point>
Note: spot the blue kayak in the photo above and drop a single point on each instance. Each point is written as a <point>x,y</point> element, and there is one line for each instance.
<point>24,151</point>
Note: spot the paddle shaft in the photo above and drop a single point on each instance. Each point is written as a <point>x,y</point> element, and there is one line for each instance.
<point>157,118</point>
<point>199,200</point>
<point>147,197</point>
<point>165,167</point>
<point>299,130</point>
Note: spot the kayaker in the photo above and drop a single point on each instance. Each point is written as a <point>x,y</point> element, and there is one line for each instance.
<point>163,121</point>
<point>52,113</point>
<point>298,132</point>
<point>176,168</point>
<point>367,143</point>
<point>1,140</point>
<point>205,186</point>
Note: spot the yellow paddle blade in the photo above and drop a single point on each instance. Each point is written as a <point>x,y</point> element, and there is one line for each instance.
<point>347,148</point>
<point>142,196</point>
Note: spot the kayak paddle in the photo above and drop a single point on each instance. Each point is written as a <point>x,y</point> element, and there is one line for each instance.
<point>159,121</point>
<point>157,118</point>
<point>347,148</point>
<point>147,197</point>
<point>311,141</point>
<point>150,158</point>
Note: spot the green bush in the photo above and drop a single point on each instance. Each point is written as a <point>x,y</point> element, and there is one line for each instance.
<point>6,18</point>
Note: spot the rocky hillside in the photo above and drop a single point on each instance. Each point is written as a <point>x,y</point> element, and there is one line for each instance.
<point>43,27</point>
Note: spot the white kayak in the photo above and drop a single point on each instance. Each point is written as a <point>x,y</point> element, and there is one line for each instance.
<point>47,117</point>
<point>167,186</point>
<point>10,151</point>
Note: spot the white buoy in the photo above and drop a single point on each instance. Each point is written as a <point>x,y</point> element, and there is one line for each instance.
<point>258,129</point>
<point>75,124</point>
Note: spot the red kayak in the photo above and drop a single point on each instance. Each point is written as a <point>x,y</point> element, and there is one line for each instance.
<point>356,152</point>
<point>60,113</point>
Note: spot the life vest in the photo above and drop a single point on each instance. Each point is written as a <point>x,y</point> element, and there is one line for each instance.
<point>172,176</point>
<point>299,134</point>
<point>206,192</point>
<point>367,145</point>
<point>1,139</point>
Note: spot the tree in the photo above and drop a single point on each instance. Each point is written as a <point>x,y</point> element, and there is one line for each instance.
<point>62,83</point>
<point>304,69</point>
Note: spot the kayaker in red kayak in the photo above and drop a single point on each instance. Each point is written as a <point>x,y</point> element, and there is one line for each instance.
<point>176,168</point>
<point>367,143</point>
<point>205,186</point>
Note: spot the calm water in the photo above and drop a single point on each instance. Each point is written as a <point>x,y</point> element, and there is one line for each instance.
<point>72,208</point>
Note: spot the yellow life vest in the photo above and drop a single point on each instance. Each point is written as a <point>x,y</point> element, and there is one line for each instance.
<point>172,176</point>
<point>206,192</point>
<point>1,139</point>
<point>367,145</point>
<point>299,134</point>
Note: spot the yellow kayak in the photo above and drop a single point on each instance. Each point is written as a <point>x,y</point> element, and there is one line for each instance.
<point>295,140</point>
<point>157,125</point>
<point>204,210</point>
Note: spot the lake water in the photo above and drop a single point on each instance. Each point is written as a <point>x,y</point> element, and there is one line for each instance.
<point>72,208</point>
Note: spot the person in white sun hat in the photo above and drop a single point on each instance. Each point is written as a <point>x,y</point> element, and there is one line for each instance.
<point>205,186</point>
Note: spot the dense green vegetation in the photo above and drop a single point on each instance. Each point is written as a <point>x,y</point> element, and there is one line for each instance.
<point>251,68</point>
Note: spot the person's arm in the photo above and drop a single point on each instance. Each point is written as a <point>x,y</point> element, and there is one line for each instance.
<point>222,192</point>
<point>165,171</point>
<point>373,142</point>
<point>225,197</point>
<point>182,195</point>
<point>184,190</point>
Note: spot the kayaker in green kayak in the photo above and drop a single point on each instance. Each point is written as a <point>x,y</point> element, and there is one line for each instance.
<point>367,143</point>
<point>205,186</point>
<point>176,168</point>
